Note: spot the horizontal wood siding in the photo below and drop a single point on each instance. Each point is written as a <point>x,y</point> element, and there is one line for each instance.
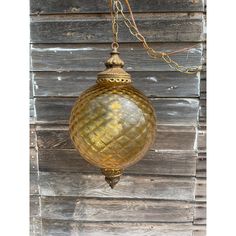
<point>165,193</point>
<point>155,163</point>
<point>170,111</point>
<point>40,7</point>
<point>84,185</point>
<point>170,138</point>
<point>169,27</point>
<point>68,228</point>
<point>201,165</point>
<point>161,84</point>
<point>91,57</point>
<point>200,214</point>
<point>74,208</point>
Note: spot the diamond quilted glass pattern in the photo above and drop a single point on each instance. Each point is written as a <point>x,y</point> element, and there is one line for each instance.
<point>112,126</point>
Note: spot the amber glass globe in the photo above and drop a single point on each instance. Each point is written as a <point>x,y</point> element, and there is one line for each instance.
<point>112,124</point>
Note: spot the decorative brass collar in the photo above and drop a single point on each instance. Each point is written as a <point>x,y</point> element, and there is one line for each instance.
<point>114,72</point>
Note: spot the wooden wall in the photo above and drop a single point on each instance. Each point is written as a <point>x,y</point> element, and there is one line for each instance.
<point>162,195</point>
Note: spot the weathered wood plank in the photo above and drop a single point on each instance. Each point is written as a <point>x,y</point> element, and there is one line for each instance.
<point>99,6</point>
<point>69,228</point>
<point>201,165</point>
<point>153,84</point>
<point>156,27</point>
<point>35,226</point>
<point>91,57</point>
<point>31,93</point>
<point>154,163</point>
<point>142,187</point>
<point>203,88</point>
<point>34,206</point>
<point>202,140</point>
<point>203,75</point>
<point>34,185</point>
<point>199,233</point>
<point>33,160</point>
<point>200,192</point>
<point>82,209</point>
<point>169,111</point>
<point>169,138</point>
<point>200,214</point>
<point>32,111</point>
<point>32,136</point>
<point>203,110</point>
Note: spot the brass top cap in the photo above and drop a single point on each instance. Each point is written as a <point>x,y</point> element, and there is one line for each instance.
<point>114,72</point>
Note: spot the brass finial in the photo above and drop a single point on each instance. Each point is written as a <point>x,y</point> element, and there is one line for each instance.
<point>114,60</point>
<point>112,176</point>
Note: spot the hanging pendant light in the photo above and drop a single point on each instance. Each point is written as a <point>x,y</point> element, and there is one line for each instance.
<point>112,124</point>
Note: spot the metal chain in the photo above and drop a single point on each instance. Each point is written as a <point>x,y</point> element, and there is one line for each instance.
<point>117,8</point>
<point>115,27</point>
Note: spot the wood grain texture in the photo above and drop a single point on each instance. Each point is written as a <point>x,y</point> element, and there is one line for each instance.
<point>203,87</point>
<point>34,183</point>
<point>36,226</point>
<point>200,214</point>
<point>142,187</point>
<point>33,160</point>
<point>31,88</point>
<point>82,209</point>
<point>169,138</point>
<point>32,111</point>
<point>32,136</point>
<point>68,228</point>
<point>34,206</point>
<point>91,57</point>
<point>200,191</point>
<point>202,140</point>
<point>153,84</point>
<point>199,233</point>
<point>169,111</point>
<point>203,110</point>
<point>40,7</point>
<point>157,27</point>
<point>201,165</point>
<point>154,163</point>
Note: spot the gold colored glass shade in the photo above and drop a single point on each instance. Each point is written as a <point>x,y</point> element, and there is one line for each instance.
<point>112,124</point>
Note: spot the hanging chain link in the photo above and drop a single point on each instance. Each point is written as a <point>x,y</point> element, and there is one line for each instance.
<point>117,8</point>
<point>115,26</point>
